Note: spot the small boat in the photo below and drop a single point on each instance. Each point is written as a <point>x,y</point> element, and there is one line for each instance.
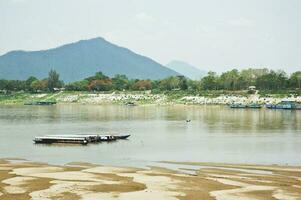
<point>254,106</point>
<point>122,137</point>
<point>286,105</point>
<point>238,105</point>
<point>40,103</point>
<point>130,104</point>
<point>65,140</point>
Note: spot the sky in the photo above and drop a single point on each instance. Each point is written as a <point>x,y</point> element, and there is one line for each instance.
<point>215,35</point>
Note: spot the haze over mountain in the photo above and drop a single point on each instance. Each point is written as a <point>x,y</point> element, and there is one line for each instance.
<point>186,69</point>
<point>79,60</point>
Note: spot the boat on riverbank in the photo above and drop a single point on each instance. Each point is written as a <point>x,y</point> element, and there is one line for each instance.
<point>286,105</point>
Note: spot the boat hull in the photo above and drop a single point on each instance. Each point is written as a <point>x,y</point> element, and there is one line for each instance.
<point>122,137</point>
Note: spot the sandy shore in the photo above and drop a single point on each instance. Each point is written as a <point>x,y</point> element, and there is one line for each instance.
<point>27,180</point>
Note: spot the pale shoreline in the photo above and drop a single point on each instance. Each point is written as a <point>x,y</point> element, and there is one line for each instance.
<point>20,179</point>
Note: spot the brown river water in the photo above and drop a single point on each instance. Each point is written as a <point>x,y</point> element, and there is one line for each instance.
<point>158,133</point>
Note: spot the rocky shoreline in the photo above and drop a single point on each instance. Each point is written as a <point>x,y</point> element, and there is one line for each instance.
<point>143,98</point>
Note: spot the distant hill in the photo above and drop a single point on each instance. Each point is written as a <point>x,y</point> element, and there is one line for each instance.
<point>186,69</point>
<point>79,60</point>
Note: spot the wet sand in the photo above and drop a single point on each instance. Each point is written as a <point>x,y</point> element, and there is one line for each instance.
<point>20,179</point>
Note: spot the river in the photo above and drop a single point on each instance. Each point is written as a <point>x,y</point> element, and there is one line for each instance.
<point>158,133</point>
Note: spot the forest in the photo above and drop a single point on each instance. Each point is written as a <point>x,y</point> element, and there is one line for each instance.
<point>232,80</point>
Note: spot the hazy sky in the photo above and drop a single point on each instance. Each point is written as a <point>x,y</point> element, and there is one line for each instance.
<point>213,34</point>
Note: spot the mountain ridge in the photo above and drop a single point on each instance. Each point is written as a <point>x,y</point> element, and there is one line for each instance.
<point>186,69</point>
<point>77,60</point>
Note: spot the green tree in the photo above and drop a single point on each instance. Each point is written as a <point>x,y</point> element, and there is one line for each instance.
<point>78,86</point>
<point>101,85</point>
<point>272,81</point>
<point>3,84</point>
<point>295,80</point>
<point>120,82</point>
<point>38,85</point>
<point>143,85</point>
<point>97,76</point>
<point>170,83</point>
<point>29,81</point>
<point>54,80</point>
<point>229,80</point>
<point>210,82</point>
<point>183,84</point>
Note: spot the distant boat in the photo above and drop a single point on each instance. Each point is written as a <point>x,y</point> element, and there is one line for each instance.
<point>254,106</point>
<point>42,103</point>
<point>240,105</point>
<point>130,104</point>
<point>286,105</point>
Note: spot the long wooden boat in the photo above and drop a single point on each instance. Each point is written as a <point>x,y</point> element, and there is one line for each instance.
<point>78,138</point>
<point>52,139</point>
<point>88,137</point>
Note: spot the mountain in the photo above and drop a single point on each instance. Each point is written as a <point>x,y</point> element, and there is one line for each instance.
<point>79,60</point>
<point>186,69</point>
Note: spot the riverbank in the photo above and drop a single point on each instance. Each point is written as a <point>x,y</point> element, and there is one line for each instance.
<point>20,179</point>
<point>141,98</point>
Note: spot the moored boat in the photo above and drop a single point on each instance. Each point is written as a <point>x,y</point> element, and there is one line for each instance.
<point>254,106</point>
<point>78,138</point>
<point>88,137</point>
<point>65,140</point>
<point>286,105</point>
<point>238,105</point>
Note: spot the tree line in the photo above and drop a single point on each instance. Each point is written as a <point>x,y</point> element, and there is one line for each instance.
<point>32,84</point>
<point>263,79</point>
<point>232,80</point>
